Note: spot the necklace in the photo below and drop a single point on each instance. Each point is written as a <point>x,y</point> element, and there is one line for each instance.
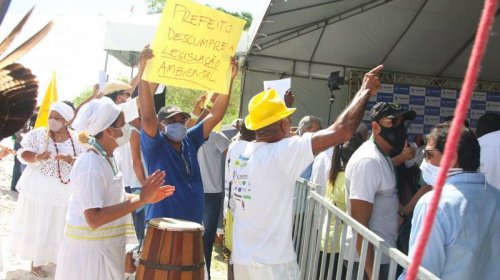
<point>59,161</point>
<point>100,150</point>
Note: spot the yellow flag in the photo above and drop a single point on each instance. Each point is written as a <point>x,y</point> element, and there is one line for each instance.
<point>49,98</point>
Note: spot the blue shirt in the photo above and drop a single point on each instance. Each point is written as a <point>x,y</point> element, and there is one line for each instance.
<point>182,171</point>
<point>307,172</point>
<point>465,238</point>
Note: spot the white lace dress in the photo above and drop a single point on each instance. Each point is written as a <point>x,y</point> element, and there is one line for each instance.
<point>40,214</point>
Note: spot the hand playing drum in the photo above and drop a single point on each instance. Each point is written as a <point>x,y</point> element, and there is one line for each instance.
<point>153,190</point>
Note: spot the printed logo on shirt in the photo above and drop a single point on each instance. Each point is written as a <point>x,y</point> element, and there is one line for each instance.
<point>241,187</point>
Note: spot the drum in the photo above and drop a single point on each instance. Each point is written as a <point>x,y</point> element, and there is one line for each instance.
<point>173,249</point>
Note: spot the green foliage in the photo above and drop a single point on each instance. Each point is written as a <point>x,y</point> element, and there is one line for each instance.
<point>243,15</point>
<point>82,97</point>
<point>156,6</point>
<point>185,99</point>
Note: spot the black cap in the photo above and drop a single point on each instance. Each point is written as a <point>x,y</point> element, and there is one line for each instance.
<point>390,110</point>
<point>170,111</point>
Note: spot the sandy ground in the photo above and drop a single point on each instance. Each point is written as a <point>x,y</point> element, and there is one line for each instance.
<point>16,269</point>
<point>13,268</point>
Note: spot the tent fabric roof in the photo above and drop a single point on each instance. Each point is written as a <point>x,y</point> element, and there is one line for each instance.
<point>125,39</point>
<point>425,37</point>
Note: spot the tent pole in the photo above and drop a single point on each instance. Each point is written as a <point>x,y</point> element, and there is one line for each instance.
<point>332,99</point>
<point>106,62</point>
<point>131,72</point>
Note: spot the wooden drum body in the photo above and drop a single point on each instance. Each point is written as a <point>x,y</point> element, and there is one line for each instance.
<point>173,249</point>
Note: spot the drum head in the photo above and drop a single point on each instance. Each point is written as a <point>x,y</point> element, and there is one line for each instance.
<point>174,224</point>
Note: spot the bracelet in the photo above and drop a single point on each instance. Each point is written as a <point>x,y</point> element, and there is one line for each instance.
<point>194,115</point>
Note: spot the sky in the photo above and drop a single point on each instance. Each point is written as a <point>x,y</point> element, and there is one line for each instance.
<point>74,46</point>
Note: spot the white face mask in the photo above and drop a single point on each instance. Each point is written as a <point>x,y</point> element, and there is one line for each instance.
<point>175,131</point>
<point>55,125</point>
<point>122,140</point>
<point>430,172</point>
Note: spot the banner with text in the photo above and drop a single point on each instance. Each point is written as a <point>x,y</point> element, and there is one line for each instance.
<point>432,105</point>
<point>192,47</point>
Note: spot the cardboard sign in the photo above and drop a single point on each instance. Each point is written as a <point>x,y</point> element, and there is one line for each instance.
<point>280,86</point>
<point>192,47</point>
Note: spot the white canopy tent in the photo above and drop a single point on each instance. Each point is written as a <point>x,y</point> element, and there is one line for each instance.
<point>420,42</point>
<point>125,38</point>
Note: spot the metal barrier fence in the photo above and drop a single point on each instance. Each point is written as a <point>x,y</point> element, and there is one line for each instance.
<point>317,227</point>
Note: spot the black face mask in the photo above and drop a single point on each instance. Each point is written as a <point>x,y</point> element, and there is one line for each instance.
<point>395,136</point>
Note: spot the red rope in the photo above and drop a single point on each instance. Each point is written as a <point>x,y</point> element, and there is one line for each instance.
<point>487,18</point>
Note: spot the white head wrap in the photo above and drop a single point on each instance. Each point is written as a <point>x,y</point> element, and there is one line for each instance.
<point>96,116</point>
<point>63,109</point>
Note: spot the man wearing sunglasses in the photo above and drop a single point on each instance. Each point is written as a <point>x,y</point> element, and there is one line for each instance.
<point>371,181</point>
<point>465,239</point>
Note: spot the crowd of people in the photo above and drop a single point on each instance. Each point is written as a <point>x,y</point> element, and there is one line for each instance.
<point>97,174</point>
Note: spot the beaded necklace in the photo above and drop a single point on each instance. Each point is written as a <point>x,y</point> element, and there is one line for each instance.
<point>100,150</point>
<point>59,161</point>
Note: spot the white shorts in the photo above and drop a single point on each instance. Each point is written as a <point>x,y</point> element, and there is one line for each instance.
<point>258,271</point>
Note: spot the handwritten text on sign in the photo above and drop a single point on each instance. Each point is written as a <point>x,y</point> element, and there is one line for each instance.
<point>192,47</point>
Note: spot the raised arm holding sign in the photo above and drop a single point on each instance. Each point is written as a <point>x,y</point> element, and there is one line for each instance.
<point>174,148</point>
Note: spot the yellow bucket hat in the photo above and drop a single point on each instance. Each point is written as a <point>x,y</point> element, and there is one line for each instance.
<point>266,108</point>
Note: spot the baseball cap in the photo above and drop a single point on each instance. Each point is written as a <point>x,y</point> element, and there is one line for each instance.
<point>170,111</point>
<point>390,110</point>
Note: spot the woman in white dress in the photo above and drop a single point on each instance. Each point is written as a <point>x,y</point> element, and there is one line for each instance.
<point>98,220</point>
<point>44,189</point>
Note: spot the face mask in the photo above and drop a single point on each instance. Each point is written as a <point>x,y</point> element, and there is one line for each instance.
<point>175,131</point>
<point>122,140</point>
<point>430,172</point>
<point>54,125</point>
<point>395,136</point>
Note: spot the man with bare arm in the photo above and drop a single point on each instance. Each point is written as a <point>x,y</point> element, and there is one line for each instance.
<point>263,175</point>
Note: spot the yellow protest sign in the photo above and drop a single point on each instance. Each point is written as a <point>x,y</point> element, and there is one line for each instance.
<point>192,47</point>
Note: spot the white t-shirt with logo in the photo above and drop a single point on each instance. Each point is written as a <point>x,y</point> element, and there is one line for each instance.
<point>263,179</point>
<point>370,176</point>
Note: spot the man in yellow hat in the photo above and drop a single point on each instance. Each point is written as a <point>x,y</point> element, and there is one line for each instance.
<point>263,179</point>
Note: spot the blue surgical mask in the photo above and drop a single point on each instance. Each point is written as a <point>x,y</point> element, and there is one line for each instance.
<point>175,131</point>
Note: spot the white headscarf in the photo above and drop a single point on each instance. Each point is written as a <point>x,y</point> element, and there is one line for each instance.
<point>63,109</point>
<point>96,116</point>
